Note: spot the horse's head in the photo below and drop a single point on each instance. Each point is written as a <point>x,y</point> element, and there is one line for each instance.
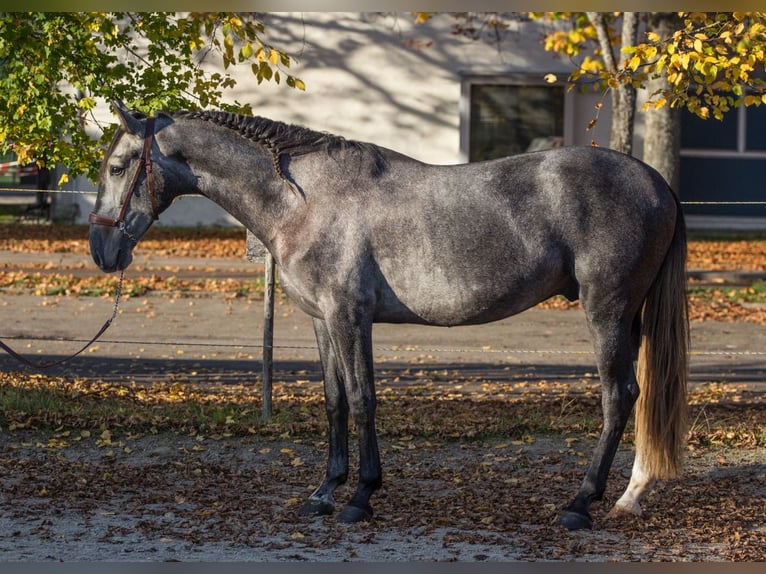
<point>130,191</point>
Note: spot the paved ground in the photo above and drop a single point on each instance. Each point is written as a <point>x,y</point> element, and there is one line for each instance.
<point>218,336</point>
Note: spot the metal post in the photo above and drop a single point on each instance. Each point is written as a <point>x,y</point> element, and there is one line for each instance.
<point>254,251</point>
<point>268,335</point>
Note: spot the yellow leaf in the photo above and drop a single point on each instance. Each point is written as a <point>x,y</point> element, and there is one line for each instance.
<point>763,98</point>
<point>550,78</point>
<point>659,102</point>
<point>652,36</point>
<point>634,63</point>
<point>274,57</point>
<point>63,179</point>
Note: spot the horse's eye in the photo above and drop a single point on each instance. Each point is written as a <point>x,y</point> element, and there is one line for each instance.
<point>116,170</point>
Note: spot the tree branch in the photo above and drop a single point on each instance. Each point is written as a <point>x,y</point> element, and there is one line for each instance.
<point>604,41</point>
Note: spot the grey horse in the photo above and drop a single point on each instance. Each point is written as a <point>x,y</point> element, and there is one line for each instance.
<point>362,234</point>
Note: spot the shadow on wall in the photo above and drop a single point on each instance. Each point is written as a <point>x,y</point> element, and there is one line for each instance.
<point>370,77</point>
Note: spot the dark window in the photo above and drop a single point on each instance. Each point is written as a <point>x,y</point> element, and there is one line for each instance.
<point>508,119</point>
<point>710,134</point>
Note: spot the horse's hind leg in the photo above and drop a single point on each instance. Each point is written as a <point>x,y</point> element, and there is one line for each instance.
<point>615,351</point>
<point>321,501</point>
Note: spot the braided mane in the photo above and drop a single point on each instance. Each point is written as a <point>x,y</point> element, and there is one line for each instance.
<point>278,137</point>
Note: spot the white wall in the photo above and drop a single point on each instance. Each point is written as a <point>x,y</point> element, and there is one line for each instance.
<point>364,81</point>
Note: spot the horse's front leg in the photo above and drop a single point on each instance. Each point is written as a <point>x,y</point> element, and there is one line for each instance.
<point>350,331</point>
<point>321,502</point>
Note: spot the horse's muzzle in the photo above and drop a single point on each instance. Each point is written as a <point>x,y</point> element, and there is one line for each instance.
<point>110,248</point>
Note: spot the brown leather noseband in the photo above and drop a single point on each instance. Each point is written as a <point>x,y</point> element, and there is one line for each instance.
<point>145,165</point>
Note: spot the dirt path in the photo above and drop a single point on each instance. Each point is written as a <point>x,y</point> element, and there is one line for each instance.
<point>179,498</point>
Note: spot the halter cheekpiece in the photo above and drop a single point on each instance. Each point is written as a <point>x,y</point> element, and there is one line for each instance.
<point>145,165</point>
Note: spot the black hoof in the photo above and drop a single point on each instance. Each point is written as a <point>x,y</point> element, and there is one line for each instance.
<point>575,521</point>
<point>316,508</point>
<point>351,514</point>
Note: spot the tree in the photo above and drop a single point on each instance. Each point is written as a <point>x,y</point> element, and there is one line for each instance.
<point>623,93</point>
<point>55,66</point>
<point>662,144</point>
<point>705,62</point>
<point>710,59</point>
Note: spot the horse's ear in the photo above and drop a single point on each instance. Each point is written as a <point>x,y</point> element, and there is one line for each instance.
<point>128,119</point>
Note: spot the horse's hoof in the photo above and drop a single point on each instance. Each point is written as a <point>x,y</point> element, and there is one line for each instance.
<point>623,512</point>
<point>575,521</point>
<point>351,514</point>
<point>316,508</point>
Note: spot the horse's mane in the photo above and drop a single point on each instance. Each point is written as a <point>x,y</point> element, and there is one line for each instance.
<point>280,138</point>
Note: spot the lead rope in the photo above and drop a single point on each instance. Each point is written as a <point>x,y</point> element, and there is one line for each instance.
<point>49,364</point>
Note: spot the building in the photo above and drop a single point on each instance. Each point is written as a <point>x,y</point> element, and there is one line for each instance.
<point>444,98</point>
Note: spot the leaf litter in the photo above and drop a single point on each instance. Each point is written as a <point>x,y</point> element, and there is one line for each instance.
<point>484,471</point>
<point>474,470</point>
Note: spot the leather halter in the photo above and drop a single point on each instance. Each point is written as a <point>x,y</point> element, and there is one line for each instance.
<point>145,165</point>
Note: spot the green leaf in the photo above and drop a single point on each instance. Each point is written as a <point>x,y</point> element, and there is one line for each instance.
<point>42,52</point>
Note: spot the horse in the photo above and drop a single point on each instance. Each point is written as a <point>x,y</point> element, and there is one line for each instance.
<point>363,234</point>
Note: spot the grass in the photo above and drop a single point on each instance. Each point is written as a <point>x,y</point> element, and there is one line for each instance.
<point>512,411</point>
<point>54,284</point>
<point>755,293</point>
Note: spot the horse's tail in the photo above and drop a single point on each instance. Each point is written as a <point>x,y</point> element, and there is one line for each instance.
<point>661,410</point>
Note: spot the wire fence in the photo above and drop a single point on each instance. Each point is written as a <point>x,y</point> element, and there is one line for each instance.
<point>94,192</point>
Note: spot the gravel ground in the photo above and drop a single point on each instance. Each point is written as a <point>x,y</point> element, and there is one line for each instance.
<point>168,498</point>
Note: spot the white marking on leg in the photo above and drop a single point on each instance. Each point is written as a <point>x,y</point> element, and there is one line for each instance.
<point>640,483</point>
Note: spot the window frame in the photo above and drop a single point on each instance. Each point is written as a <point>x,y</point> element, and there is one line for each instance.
<point>741,151</point>
<point>467,81</point>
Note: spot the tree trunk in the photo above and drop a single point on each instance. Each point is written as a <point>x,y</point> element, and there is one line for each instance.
<point>623,96</point>
<point>662,139</point>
